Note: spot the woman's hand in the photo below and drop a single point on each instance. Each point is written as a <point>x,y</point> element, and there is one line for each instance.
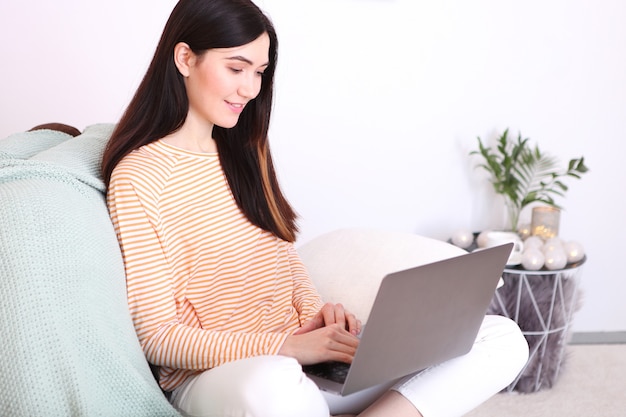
<point>332,314</point>
<point>328,343</point>
<point>329,336</point>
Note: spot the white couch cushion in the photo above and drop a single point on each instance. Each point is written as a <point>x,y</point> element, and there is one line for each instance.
<point>347,265</point>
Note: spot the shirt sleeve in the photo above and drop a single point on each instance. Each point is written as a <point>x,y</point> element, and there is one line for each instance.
<point>167,341</point>
<point>306,299</point>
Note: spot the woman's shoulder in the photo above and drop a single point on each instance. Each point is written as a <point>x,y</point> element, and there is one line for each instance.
<point>146,162</point>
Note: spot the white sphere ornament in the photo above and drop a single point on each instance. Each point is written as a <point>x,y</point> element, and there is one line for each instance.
<point>481,239</point>
<point>555,259</point>
<point>462,238</point>
<point>552,243</point>
<point>534,242</point>
<point>575,251</point>
<point>533,259</point>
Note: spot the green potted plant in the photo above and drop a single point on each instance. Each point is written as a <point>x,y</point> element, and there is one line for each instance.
<point>523,174</point>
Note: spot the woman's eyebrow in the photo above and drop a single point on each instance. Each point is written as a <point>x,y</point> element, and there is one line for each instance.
<point>245,60</point>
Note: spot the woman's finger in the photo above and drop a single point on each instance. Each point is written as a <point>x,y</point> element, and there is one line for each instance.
<point>328,314</point>
<point>354,325</point>
<point>343,345</point>
<point>340,315</point>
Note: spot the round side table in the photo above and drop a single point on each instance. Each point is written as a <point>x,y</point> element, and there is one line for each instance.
<point>542,303</point>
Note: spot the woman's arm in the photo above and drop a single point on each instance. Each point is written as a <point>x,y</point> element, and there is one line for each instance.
<point>327,332</point>
<point>151,291</point>
<point>306,299</point>
<point>313,312</point>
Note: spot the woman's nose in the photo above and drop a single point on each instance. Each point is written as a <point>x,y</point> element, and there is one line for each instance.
<point>250,86</point>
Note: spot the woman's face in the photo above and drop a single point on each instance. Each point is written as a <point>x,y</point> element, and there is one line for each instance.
<point>222,81</point>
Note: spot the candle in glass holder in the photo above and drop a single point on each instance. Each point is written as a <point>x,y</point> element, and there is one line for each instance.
<point>545,222</point>
<point>524,231</point>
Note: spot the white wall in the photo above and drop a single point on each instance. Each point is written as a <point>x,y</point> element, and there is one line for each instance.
<point>378,104</point>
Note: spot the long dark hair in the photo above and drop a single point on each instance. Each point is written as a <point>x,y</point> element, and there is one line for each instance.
<point>160,107</point>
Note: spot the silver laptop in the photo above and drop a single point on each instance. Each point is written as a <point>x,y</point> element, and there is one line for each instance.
<point>421,317</point>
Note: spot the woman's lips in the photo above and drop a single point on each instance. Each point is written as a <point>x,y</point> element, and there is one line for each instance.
<point>236,107</point>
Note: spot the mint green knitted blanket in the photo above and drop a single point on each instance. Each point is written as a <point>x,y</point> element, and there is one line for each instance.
<point>67,344</point>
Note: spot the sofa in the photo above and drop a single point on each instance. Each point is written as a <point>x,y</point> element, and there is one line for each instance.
<point>68,346</point>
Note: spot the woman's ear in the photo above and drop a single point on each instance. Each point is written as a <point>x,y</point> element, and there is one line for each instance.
<point>183,58</point>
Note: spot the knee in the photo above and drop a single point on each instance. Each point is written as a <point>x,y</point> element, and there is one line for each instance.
<point>272,386</point>
<point>275,386</point>
<point>506,341</point>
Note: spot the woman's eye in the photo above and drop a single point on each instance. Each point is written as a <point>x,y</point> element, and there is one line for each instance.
<point>260,73</point>
<point>236,70</point>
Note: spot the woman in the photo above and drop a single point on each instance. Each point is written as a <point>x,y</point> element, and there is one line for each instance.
<point>220,300</point>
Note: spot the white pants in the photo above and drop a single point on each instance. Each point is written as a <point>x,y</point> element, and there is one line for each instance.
<point>275,386</point>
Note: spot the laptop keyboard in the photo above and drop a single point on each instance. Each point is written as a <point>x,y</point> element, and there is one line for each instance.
<point>334,371</point>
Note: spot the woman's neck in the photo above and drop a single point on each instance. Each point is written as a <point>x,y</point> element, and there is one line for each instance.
<point>193,137</point>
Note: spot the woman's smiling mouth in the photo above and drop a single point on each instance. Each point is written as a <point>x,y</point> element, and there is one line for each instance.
<point>236,107</point>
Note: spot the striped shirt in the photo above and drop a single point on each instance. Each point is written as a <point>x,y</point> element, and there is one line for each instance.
<point>205,286</point>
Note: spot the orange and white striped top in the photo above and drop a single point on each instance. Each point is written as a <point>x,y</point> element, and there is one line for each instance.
<point>205,286</point>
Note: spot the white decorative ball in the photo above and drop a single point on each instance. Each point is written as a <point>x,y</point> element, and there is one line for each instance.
<point>553,243</point>
<point>462,238</point>
<point>575,251</point>
<point>481,239</point>
<point>533,242</point>
<point>555,259</point>
<point>552,246</point>
<point>532,259</point>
